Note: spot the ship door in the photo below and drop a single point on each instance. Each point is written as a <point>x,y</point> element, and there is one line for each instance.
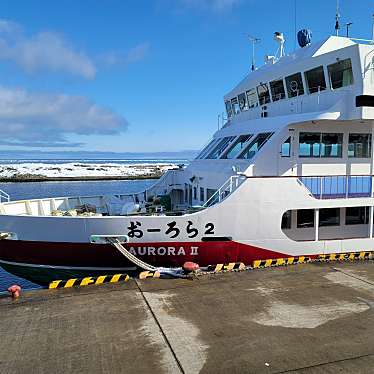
<point>286,159</point>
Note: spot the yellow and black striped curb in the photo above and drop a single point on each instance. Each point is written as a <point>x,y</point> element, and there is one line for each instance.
<point>232,266</point>
<point>75,282</point>
<point>280,261</point>
<point>149,274</point>
<point>350,256</point>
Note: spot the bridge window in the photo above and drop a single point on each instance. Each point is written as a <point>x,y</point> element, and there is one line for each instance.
<point>329,217</point>
<point>309,144</point>
<point>305,218</point>
<point>331,145</point>
<point>252,98</point>
<point>357,215</point>
<point>237,146</point>
<point>205,150</point>
<point>220,147</point>
<point>359,145</point>
<point>341,74</point>
<point>277,90</point>
<point>228,108</point>
<point>242,102</point>
<point>294,85</point>
<point>315,80</point>
<point>235,105</point>
<point>286,148</point>
<point>263,94</point>
<point>255,145</point>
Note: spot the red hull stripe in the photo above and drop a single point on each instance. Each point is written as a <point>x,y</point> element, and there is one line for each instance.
<point>158,254</point>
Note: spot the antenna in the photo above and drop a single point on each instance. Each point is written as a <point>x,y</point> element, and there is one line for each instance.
<point>347,25</point>
<point>337,18</point>
<point>254,41</point>
<point>372,36</point>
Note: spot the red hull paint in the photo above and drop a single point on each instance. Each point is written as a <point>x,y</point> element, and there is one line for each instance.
<point>158,254</point>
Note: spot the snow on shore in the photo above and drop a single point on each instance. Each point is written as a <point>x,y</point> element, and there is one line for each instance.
<point>76,170</point>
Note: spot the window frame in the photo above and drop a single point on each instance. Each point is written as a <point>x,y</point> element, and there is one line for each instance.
<point>233,144</point>
<point>365,215</point>
<point>220,147</point>
<point>252,142</point>
<point>308,88</point>
<point>245,107</point>
<point>254,91</point>
<point>369,150</point>
<point>290,90</point>
<point>274,97</point>
<point>337,63</point>
<point>266,92</point>
<point>306,225</point>
<point>326,223</point>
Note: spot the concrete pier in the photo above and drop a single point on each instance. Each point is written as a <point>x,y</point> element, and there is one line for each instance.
<point>309,318</point>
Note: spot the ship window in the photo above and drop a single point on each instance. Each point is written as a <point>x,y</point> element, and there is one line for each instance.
<point>341,74</point>
<point>357,215</point>
<point>202,194</point>
<point>210,192</point>
<point>315,80</point>
<point>286,220</point>
<point>235,105</point>
<point>252,98</point>
<point>305,218</point>
<point>220,147</point>
<point>205,150</point>
<point>243,102</point>
<point>331,145</point>
<point>195,193</point>
<point>309,144</point>
<point>294,85</point>
<point>329,217</point>
<point>286,148</point>
<point>237,146</point>
<point>255,145</point>
<point>359,145</point>
<point>228,108</point>
<point>277,90</point>
<point>263,94</point>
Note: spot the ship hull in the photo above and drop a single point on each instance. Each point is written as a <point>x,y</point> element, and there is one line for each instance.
<point>43,262</point>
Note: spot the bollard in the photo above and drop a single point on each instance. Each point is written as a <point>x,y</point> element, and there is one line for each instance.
<point>190,266</point>
<point>15,291</point>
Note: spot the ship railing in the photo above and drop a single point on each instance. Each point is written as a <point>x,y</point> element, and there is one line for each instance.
<point>225,190</point>
<point>338,186</point>
<point>4,197</point>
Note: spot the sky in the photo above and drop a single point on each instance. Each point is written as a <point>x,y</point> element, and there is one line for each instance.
<point>139,76</point>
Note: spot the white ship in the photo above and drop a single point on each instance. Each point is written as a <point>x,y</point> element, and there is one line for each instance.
<point>290,173</point>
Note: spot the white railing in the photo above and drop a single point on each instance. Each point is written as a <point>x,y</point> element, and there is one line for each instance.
<point>225,190</point>
<point>4,196</point>
<point>338,186</point>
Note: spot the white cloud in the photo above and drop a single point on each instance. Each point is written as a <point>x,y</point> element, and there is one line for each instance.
<point>134,55</point>
<point>42,51</point>
<point>33,119</point>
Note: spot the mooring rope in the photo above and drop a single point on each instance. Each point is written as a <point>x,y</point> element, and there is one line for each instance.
<point>117,244</point>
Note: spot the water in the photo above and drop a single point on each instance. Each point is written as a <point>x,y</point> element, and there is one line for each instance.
<point>29,190</point>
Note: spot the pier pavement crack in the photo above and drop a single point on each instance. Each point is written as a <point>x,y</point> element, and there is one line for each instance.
<point>160,328</point>
<point>324,363</point>
<point>354,276</point>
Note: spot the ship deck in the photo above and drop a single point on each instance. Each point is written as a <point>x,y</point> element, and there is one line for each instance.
<point>308,318</point>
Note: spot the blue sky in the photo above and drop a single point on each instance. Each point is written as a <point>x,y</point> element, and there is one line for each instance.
<point>138,75</point>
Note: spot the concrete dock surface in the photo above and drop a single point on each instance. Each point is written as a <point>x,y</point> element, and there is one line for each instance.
<point>309,318</point>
